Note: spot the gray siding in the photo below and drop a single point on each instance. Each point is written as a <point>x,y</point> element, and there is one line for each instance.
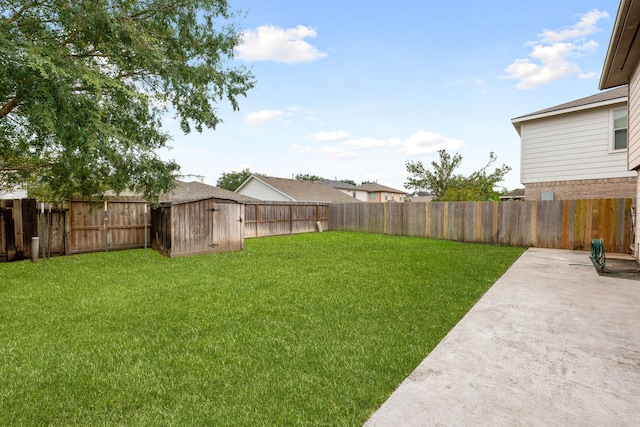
<point>571,147</point>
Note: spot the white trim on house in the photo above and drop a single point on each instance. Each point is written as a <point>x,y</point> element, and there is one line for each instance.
<point>612,129</point>
<point>518,120</point>
<point>633,127</point>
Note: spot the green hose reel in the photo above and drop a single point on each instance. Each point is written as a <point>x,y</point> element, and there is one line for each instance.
<point>597,254</point>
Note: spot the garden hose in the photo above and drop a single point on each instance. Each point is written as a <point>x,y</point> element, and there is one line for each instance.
<point>597,254</point>
<point>599,260</point>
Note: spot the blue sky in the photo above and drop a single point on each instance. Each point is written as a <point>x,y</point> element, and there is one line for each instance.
<point>354,89</point>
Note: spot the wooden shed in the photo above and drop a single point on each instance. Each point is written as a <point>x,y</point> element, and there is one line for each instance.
<point>181,228</point>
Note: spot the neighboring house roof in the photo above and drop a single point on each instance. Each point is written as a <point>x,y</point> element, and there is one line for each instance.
<point>339,184</point>
<point>374,187</point>
<point>421,196</point>
<point>299,191</point>
<point>194,190</point>
<point>623,53</point>
<point>613,96</point>
<point>514,195</point>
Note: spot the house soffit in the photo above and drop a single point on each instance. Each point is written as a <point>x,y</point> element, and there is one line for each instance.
<point>624,47</point>
<point>566,109</point>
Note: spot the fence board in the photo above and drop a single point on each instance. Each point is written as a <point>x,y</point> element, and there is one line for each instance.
<point>281,218</point>
<point>561,224</point>
<point>123,227</point>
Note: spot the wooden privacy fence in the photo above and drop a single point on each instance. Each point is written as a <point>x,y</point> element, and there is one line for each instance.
<point>561,224</point>
<point>109,225</point>
<point>83,226</point>
<point>273,219</point>
<point>80,226</point>
<point>70,228</point>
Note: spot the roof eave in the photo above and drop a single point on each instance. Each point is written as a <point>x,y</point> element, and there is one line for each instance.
<point>623,52</point>
<point>518,120</point>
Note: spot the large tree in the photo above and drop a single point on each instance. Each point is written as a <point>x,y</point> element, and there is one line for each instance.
<point>445,185</point>
<point>84,86</point>
<point>232,180</point>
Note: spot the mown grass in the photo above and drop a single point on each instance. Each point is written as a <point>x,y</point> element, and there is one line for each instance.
<point>313,329</point>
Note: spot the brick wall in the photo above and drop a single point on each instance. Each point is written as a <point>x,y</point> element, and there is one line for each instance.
<point>605,188</point>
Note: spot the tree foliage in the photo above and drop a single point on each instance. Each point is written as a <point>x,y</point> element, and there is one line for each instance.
<point>308,177</point>
<point>232,180</point>
<point>447,186</point>
<point>84,86</point>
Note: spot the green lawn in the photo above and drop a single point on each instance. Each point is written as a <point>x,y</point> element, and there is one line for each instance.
<point>312,329</point>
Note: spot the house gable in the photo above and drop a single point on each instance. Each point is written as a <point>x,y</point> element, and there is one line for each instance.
<point>282,189</point>
<point>259,189</point>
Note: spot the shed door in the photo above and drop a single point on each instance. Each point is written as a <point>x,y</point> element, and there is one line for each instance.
<point>227,229</point>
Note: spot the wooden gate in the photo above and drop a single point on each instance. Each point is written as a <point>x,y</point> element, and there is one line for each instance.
<point>103,226</point>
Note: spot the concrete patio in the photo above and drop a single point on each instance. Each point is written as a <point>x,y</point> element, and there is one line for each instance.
<point>551,343</point>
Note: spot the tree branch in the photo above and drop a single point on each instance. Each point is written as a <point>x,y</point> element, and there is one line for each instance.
<point>16,16</point>
<point>9,106</point>
<point>26,167</point>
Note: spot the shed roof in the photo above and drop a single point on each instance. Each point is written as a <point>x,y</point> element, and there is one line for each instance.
<point>194,190</point>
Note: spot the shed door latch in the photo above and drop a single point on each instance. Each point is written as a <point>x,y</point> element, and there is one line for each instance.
<point>212,210</point>
<point>213,245</point>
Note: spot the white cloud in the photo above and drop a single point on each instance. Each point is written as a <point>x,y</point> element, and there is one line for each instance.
<point>338,153</point>
<point>299,149</point>
<point>425,142</point>
<point>550,56</point>
<point>263,116</point>
<point>589,75</point>
<point>334,135</point>
<point>271,43</point>
<point>420,143</point>
<point>366,143</point>
<point>586,26</point>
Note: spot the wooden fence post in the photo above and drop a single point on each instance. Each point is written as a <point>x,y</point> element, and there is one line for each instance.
<point>478,222</point>
<point>534,223</point>
<point>427,219</point>
<point>17,226</point>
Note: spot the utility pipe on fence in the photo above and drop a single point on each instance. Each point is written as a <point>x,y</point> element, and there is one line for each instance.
<point>145,231</point>
<point>106,235</point>
<point>42,238</point>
